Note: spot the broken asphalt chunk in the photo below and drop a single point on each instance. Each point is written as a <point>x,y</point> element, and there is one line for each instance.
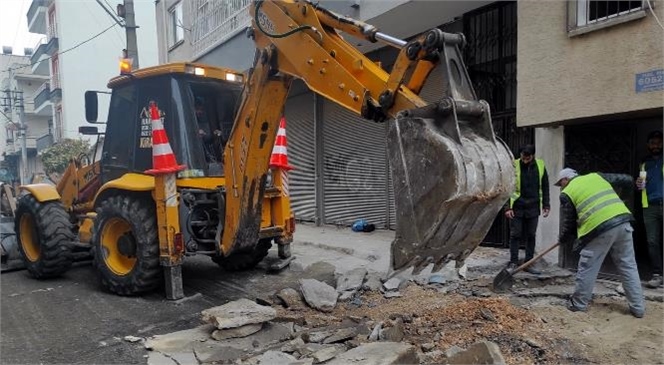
<point>238,313</point>
<point>318,295</point>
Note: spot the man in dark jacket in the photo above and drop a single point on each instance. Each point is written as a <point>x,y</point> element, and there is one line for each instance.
<point>651,184</point>
<point>596,221</point>
<point>530,198</point>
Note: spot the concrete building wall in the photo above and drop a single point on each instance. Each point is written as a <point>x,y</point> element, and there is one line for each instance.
<point>236,53</point>
<point>90,66</point>
<point>551,148</point>
<point>373,8</point>
<point>178,52</point>
<point>564,77</point>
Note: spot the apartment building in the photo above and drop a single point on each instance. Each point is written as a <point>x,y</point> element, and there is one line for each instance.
<point>18,85</point>
<point>80,51</point>
<point>591,80</point>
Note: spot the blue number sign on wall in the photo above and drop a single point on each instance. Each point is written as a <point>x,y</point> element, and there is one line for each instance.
<point>650,81</point>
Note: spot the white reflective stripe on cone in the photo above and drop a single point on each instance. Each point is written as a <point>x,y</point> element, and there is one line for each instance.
<point>157,125</point>
<point>281,132</point>
<point>161,149</point>
<point>280,150</point>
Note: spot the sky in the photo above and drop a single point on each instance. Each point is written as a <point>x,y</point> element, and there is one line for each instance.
<point>14,25</point>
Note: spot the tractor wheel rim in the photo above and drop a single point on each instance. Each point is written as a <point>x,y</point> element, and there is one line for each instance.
<point>111,233</point>
<point>29,238</point>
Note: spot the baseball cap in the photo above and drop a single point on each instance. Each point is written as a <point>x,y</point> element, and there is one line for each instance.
<point>566,173</point>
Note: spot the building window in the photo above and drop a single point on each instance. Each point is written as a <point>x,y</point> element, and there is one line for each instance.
<point>55,72</point>
<point>594,11</point>
<point>589,15</point>
<point>52,30</point>
<point>58,124</point>
<point>176,31</point>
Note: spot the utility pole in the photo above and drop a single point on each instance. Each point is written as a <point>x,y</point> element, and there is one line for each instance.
<point>126,12</point>
<point>23,135</point>
<point>11,100</point>
<point>130,30</point>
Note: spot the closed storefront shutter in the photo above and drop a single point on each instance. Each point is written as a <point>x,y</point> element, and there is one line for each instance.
<point>355,168</point>
<point>392,211</point>
<point>433,88</point>
<point>300,133</point>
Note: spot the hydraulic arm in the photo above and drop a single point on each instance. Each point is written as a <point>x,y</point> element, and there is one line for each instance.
<point>451,174</point>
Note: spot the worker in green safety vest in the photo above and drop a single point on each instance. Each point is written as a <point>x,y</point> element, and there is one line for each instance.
<point>650,183</point>
<point>596,221</point>
<point>529,199</point>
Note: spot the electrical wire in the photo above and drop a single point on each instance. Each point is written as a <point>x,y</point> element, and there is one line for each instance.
<point>63,52</point>
<point>18,26</point>
<point>654,15</point>
<point>6,116</point>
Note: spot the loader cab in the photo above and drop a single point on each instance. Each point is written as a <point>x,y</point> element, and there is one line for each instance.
<point>198,114</point>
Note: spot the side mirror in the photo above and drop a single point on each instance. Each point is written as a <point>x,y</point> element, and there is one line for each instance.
<point>88,131</point>
<point>91,106</point>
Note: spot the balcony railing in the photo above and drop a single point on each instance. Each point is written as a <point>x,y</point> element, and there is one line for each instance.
<point>34,6</point>
<point>44,142</point>
<point>42,95</point>
<point>37,22</point>
<point>216,21</point>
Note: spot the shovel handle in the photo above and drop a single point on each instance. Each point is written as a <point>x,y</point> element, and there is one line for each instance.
<point>532,261</point>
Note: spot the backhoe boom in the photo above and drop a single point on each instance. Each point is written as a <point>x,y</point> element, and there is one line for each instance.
<point>451,174</point>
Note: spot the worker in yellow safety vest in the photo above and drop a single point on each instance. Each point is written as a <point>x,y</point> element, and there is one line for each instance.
<point>529,200</point>
<point>650,182</point>
<point>596,221</point>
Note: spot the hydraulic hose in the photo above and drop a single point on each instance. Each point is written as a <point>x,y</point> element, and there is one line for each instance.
<point>282,35</point>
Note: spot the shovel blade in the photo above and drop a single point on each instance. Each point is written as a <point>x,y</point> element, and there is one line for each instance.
<point>503,281</point>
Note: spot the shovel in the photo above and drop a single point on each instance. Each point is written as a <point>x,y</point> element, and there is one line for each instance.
<point>505,279</point>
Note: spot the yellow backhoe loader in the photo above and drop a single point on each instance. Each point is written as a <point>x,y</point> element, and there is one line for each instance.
<point>451,173</point>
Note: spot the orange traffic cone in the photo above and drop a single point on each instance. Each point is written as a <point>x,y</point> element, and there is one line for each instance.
<point>279,158</point>
<point>163,159</point>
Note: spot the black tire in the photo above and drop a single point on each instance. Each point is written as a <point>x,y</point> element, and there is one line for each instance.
<point>138,215</point>
<point>45,242</point>
<point>241,261</point>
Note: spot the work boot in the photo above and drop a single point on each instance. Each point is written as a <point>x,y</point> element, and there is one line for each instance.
<point>512,266</point>
<point>655,282</point>
<point>573,308</point>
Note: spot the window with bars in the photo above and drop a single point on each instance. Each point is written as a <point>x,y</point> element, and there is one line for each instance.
<point>591,14</point>
<point>595,11</point>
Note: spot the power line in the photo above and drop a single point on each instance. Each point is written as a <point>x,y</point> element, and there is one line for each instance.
<point>63,52</point>
<point>6,116</point>
<point>18,26</point>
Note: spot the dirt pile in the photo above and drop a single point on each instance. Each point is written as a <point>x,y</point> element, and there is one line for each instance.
<point>436,322</point>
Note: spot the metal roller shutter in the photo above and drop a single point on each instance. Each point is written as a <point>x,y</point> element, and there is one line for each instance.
<point>433,87</point>
<point>392,211</point>
<point>355,168</point>
<point>299,112</point>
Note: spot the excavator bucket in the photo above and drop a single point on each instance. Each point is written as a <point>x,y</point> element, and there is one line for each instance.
<point>451,174</point>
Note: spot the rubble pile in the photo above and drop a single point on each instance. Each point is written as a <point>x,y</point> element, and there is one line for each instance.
<point>519,333</point>
<point>364,320</point>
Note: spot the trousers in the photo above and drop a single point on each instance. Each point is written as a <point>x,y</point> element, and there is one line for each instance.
<point>522,230</point>
<point>617,241</point>
<point>652,219</point>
